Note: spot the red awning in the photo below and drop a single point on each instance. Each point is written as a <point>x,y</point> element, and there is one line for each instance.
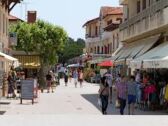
<point>106,63</point>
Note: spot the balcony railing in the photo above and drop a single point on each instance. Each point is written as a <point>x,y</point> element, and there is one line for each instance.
<point>157,6</point>
<point>93,39</point>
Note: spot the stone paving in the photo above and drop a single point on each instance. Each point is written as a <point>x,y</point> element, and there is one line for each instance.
<point>65,100</point>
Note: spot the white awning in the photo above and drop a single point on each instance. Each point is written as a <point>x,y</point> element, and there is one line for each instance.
<point>137,48</point>
<point>13,60</point>
<point>147,44</point>
<point>155,58</point>
<point>8,57</point>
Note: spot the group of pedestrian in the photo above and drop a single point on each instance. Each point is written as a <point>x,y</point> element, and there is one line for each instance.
<point>77,75</point>
<point>125,93</point>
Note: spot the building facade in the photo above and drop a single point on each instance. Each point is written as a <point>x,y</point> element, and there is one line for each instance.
<point>102,33</point>
<point>144,27</point>
<point>5,60</point>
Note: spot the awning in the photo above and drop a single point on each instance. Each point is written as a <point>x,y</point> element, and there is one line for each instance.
<point>157,57</point>
<point>147,44</point>
<point>29,61</point>
<point>106,64</point>
<point>137,49</point>
<point>8,57</point>
<point>11,59</point>
<point>74,65</point>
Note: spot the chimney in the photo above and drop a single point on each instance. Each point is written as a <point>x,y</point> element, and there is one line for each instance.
<point>31,16</point>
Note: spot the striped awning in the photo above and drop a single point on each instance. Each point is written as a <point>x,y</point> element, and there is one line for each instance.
<point>29,61</point>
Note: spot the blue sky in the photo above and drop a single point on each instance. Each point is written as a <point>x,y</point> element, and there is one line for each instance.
<point>70,14</point>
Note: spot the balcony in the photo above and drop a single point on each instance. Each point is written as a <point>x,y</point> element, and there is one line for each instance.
<point>123,2</point>
<point>106,35</point>
<point>90,39</point>
<point>152,19</point>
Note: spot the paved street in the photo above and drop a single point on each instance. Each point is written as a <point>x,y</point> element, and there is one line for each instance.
<point>66,100</point>
<point>71,106</point>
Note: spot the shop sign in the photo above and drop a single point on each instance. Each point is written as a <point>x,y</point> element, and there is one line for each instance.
<point>27,90</point>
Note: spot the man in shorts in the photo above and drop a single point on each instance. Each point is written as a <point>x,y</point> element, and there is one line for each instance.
<point>131,90</point>
<point>48,81</point>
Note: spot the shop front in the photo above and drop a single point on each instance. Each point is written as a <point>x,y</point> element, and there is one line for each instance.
<point>30,64</point>
<point>153,66</point>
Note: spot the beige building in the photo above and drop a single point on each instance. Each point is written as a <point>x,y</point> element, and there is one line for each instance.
<point>102,33</point>
<point>5,60</point>
<point>144,27</point>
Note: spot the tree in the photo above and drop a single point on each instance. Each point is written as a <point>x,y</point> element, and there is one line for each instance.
<point>72,49</point>
<point>43,38</point>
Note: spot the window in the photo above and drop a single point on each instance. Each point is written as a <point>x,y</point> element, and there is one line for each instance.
<point>144,4</point>
<point>138,6</point>
<point>90,31</point>
<point>113,42</point>
<point>98,49</point>
<point>117,40</point>
<point>6,26</point>
<point>109,22</point>
<point>102,50</point>
<point>3,23</point>
<point>96,33</point>
<point>149,2</point>
<point>91,50</point>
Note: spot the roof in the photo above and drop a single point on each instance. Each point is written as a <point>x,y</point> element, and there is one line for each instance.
<point>91,21</point>
<point>106,10</point>
<point>13,18</point>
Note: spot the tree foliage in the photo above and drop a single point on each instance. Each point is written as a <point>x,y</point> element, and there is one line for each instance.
<point>72,49</point>
<point>40,37</point>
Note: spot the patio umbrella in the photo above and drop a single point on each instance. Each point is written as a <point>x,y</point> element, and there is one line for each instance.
<point>107,63</point>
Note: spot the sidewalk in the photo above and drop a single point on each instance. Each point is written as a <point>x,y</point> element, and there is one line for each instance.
<point>65,101</point>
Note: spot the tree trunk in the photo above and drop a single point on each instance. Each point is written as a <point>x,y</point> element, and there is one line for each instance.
<point>42,82</point>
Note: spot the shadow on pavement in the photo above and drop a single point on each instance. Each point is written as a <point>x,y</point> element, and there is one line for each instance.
<point>4,103</point>
<point>92,98</point>
<point>2,112</point>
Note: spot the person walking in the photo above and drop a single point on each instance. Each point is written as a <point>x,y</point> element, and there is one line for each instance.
<point>131,91</point>
<point>66,77</point>
<point>48,81</point>
<point>81,78</point>
<point>70,76</point>
<point>75,76</point>
<point>109,79</point>
<point>104,94</point>
<point>11,86</point>
<point>121,88</point>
